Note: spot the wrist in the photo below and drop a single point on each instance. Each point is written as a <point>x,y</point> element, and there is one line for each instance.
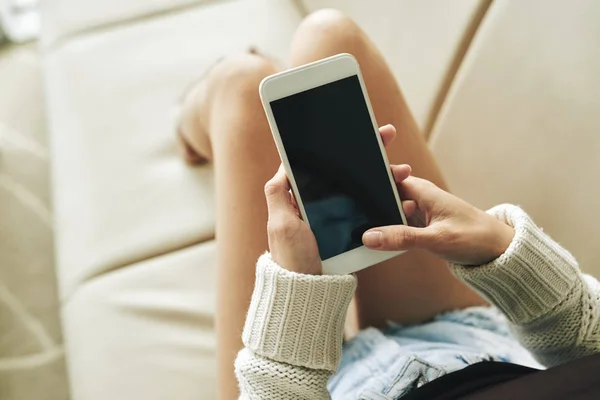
<point>502,236</point>
<point>300,264</point>
<point>531,277</point>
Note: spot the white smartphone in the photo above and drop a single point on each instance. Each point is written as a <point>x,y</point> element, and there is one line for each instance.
<point>330,146</point>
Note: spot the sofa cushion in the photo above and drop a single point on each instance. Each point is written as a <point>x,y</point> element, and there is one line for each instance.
<point>521,122</point>
<point>64,18</point>
<point>145,331</point>
<point>121,192</point>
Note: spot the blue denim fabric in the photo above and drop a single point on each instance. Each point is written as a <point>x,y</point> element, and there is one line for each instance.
<point>387,364</point>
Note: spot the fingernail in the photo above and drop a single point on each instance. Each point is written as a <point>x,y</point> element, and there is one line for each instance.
<point>373,239</point>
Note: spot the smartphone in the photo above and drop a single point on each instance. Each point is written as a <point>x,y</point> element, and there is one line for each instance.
<point>329,144</point>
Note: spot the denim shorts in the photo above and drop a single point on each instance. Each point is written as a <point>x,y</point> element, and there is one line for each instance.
<point>387,364</point>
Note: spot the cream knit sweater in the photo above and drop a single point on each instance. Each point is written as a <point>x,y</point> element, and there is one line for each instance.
<point>293,331</point>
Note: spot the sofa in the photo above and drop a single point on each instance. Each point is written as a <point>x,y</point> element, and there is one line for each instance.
<point>505,91</point>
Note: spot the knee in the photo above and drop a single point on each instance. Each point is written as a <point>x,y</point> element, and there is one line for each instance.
<point>241,73</point>
<point>328,32</point>
<point>327,20</point>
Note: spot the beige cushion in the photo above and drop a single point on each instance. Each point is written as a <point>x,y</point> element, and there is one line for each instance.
<point>421,40</point>
<point>121,192</point>
<point>145,331</point>
<point>64,18</point>
<point>521,122</point>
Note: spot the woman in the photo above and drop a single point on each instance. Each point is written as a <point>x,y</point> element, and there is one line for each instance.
<point>418,320</point>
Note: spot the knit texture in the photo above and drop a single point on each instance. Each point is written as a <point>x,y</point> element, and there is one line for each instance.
<point>553,308</point>
<point>293,333</point>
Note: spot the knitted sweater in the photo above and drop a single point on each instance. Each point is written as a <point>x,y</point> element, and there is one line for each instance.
<point>293,331</point>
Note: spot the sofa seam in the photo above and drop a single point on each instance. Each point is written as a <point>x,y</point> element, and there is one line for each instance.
<point>455,65</point>
<point>300,7</point>
<point>89,278</point>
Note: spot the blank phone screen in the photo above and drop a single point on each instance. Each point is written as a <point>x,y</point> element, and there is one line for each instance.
<point>341,175</point>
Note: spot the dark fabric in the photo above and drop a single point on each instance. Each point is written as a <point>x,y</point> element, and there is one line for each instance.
<point>575,380</point>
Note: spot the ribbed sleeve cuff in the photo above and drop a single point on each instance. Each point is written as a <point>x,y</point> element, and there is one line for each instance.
<point>533,275</point>
<point>297,319</point>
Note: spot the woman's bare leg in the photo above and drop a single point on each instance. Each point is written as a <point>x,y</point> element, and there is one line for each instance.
<point>223,121</point>
<point>416,285</point>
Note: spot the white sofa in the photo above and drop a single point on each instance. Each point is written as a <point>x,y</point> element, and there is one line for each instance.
<point>506,92</point>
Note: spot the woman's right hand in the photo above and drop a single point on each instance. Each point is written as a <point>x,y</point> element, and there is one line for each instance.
<point>441,223</point>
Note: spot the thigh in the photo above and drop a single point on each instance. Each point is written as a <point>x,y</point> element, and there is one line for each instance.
<point>244,158</point>
<point>416,285</point>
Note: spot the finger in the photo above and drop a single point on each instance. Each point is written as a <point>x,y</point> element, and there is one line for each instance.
<point>295,205</point>
<point>397,237</point>
<point>400,172</point>
<point>294,202</point>
<point>409,207</point>
<point>388,134</point>
<point>277,193</point>
<point>417,189</point>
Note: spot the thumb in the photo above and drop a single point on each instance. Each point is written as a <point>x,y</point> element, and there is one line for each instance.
<point>396,237</point>
<point>277,193</point>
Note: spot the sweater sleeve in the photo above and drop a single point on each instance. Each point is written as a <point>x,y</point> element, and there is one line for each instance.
<point>293,333</point>
<point>552,306</point>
